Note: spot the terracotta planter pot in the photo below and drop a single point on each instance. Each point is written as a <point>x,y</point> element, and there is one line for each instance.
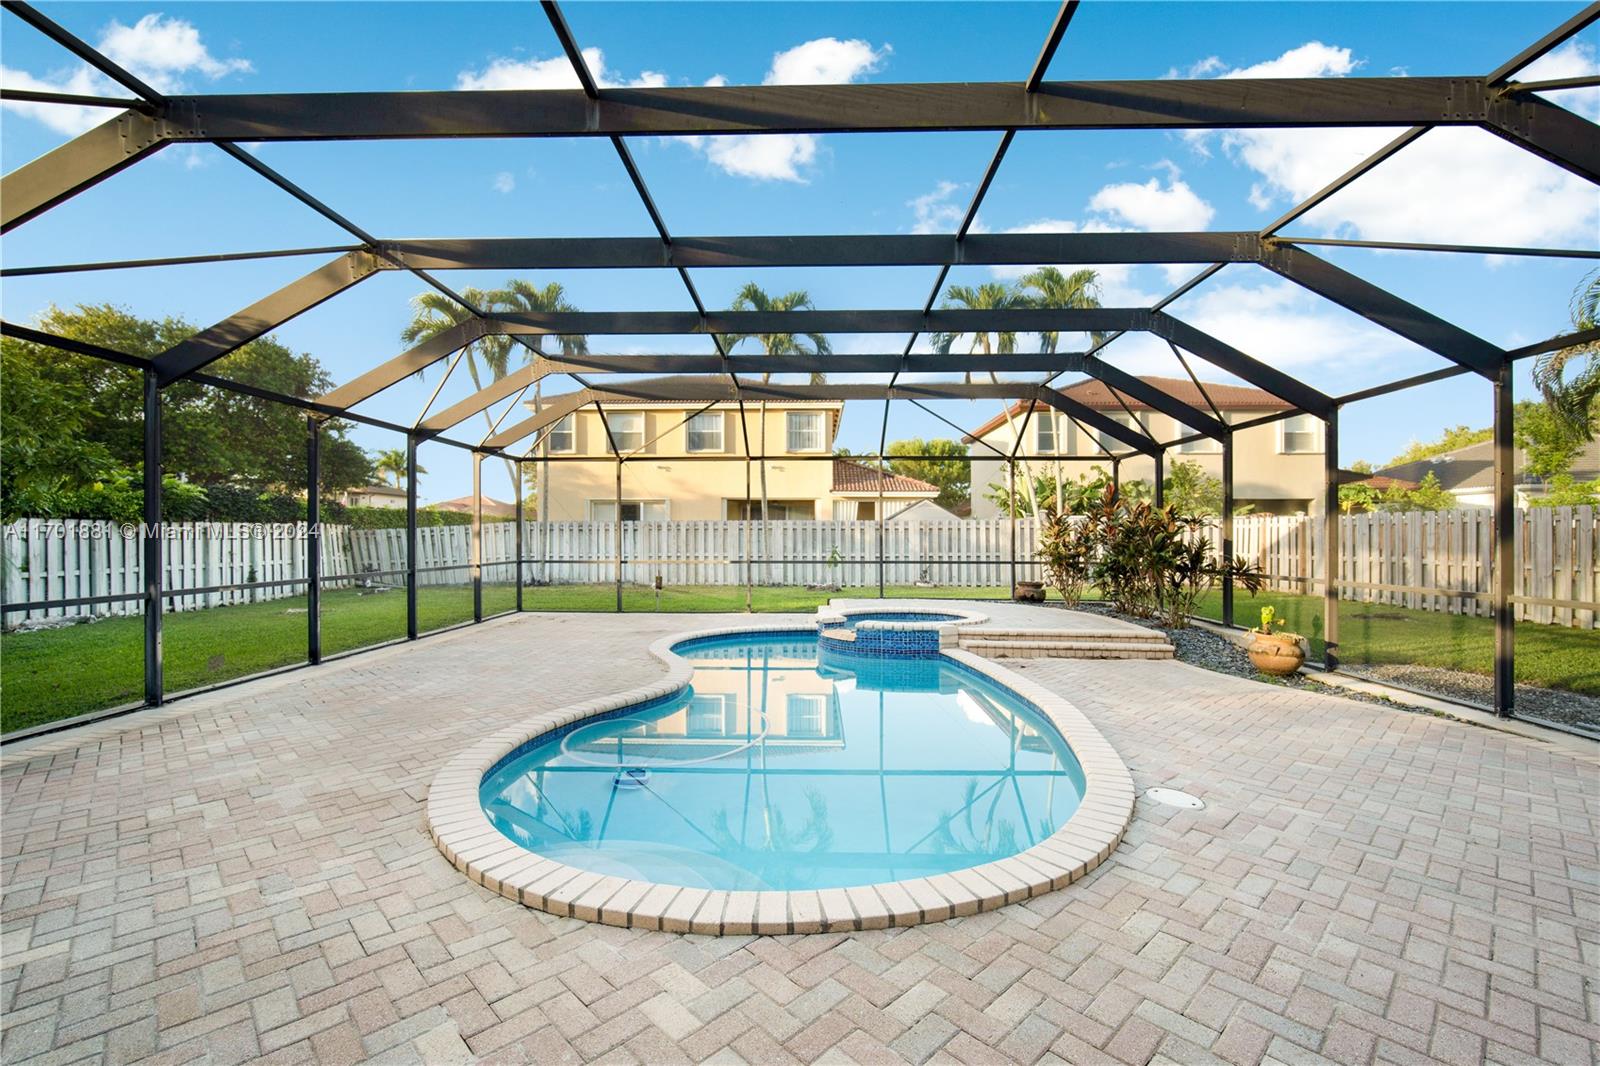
<point>1028,592</point>
<point>1277,655</point>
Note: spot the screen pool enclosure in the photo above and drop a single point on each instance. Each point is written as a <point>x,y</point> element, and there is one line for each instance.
<point>146,121</point>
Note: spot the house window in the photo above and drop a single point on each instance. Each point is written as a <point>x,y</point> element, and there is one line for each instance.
<point>563,436</point>
<point>777,510</point>
<point>855,510</point>
<point>1045,431</point>
<point>805,431</point>
<point>627,429</point>
<point>808,715</point>
<point>705,432</point>
<point>632,510</point>
<point>1107,441</point>
<point>1302,433</point>
<point>1203,446</point>
<point>713,715</point>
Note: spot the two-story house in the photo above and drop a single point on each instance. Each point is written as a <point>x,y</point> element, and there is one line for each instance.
<point>687,466</point>
<point>1277,468</point>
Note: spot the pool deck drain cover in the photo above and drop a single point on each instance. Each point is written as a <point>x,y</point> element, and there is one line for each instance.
<point>1171,797</point>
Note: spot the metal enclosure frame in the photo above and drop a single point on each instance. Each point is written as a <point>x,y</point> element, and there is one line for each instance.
<point>146,121</point>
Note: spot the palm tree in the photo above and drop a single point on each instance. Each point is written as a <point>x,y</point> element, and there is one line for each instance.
<point>1049,287</point>
<point>754,298</point>
<point>1574,400</point>
<point>524,296</point>
<point>990,296</point>
<point>391,463</point>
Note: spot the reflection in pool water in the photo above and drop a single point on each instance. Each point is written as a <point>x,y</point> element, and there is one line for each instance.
<point>773,771</point>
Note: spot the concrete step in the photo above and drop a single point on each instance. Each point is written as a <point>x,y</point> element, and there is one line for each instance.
<point>1067,649</point>
<point>1130,636</point>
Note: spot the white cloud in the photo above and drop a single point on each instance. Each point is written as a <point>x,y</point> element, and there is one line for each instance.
<point>1455,184</point>
<point>1574,60</point>
<point>1154,206</point>
<point>505,181</point>
<point>785,156</point>
<point>937,211</point>
<point>825,61</point>
<point>159,50</point>
<point>554,73</point>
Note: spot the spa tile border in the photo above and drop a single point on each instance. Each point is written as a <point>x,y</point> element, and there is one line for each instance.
<point>461,830</point>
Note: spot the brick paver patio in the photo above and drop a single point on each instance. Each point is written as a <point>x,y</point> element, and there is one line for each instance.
<point>246,875</point>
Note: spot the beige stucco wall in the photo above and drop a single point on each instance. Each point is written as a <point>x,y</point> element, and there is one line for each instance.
<point>698,489</point>
<point>1262,474</point>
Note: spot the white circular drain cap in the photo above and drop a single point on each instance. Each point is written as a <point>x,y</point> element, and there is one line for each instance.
<point>1171,797</point>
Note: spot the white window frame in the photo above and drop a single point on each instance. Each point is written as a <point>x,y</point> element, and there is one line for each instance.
<point>689,431</point>
<point>705,704</point>
<point>610,505</point>
<point>819,417</point>
<point>1111,444</point>
<point>564,427</point>
<point>1041,421</point>
<point>1313,430</point>
<point>615,421</point>
<point>808,704</point>
<point>1203,446</point>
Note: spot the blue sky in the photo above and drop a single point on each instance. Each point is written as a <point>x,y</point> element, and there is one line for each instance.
<point>1453,185</point>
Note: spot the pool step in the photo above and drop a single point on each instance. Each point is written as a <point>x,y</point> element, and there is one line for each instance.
<point>1058,645</point>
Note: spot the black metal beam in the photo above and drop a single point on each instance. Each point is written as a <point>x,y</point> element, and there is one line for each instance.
<point>836,250</point>
<point>313,540</point>
<point>29,14</point>
<point>69,344</point>
<point>686,323</point>
<point>1419,246</point>
<point>115,103</point>
<point>88,159</point>
<point>1384,308</point>
<point>1095,420</point>
<point>1228,358</point>
<point>1505,553</point>
<point>1207,103</point>
<point>154,548</point>
<point>1156,399</point>
<point>263,316</point>
<point>1570,27</point>
<point>1549,131</point>
<point>555,409</point>
<point>174,260</point>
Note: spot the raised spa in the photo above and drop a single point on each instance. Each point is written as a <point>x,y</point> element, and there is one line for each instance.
<point>773,771</point>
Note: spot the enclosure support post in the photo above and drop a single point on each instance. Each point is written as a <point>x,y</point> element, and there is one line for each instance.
<point>1227,527</point>
<point>1116,478</point>
<point>1012,477</point>
<point>153,685</point>
<point>1330,541</point>
<point>476,555</point>
<point>313,540</point>
<point>749,546</point>
<point>1505,554</point>
<point>619,531</point>
<point>1160,457</point>
<point>411,536</point>
<point>516,487</point>
<point>881,478</point>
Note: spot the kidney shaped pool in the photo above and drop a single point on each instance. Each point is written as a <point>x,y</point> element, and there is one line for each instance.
<point>776,771</point>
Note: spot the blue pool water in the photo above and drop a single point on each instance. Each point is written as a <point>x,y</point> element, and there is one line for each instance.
<point>772,771</point>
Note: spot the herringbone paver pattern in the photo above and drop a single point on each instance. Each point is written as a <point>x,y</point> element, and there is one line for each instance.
<point>245,876</point>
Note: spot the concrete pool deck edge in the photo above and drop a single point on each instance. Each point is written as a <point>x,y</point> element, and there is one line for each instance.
<point>461,830</point>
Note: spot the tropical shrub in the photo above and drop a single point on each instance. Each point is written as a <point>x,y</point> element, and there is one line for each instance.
<point>1066,545</point>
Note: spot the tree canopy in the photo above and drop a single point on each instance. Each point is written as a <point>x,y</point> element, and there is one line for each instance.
<point>953,475</point>
<point>74,424</point>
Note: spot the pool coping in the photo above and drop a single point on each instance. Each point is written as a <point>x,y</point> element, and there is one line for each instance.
<point>461,830</point>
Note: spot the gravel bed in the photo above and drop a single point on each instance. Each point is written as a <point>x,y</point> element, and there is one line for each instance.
<point>1203,648</point>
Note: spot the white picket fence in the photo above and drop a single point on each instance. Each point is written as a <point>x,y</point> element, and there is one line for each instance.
<point>1436,561</point>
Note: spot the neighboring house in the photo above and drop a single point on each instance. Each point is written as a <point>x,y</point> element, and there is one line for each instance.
<point>921,511</point>
<point>1468,473</point>
<point>492,508</point>
<point>374,496</point>
<point>661,482</point>
<point>1277,468</point>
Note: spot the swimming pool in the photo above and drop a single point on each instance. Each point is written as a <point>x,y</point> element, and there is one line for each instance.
<point>773,771</point>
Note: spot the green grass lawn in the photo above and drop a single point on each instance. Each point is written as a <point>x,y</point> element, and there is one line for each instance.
<point>1375,633</point>
<point>52,674</point>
